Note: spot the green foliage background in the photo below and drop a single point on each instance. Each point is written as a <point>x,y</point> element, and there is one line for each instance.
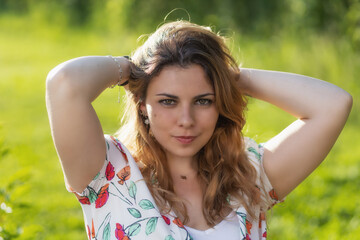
<point>311,37</point>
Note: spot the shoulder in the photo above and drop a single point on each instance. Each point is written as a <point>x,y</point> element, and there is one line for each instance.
<point>118,157</point>
<point>253,150</point>
<point>117,163</point>
<point>255,153</point>
<point>115,147</point>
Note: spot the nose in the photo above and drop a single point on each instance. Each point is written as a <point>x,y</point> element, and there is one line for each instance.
<point>186,117</point>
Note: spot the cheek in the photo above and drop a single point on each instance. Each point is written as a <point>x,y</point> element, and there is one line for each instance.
<point>161,127</point>
<point>211,125</point>
<point>152,114</point>
<point>209,118</point>
<point>160,119</point>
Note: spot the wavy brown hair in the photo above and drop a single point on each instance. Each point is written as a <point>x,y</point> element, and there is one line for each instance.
<point>222,162</point>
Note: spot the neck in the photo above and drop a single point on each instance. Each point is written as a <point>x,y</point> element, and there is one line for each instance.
<point>182,168</point>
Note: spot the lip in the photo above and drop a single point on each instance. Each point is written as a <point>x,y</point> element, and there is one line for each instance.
<point>185,139</point>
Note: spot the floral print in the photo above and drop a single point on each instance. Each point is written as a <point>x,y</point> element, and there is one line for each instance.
<point>110,173</point>
<point>124,175</point>
<point>118,205</point>
<point>103,196</point>
<point>120,233</point>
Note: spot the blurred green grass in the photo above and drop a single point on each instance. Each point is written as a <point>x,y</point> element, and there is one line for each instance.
<point>325,206</point>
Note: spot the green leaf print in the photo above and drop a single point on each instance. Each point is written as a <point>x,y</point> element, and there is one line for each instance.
<point>132,189</point>
<point>106,233</point>
<point>243,222</point>
<point>134,229</point>
<point>105,223</point>
<point>146,204</point>
<point>251,149</point>
<point>92,195</point>
<point>97,175</point>
<point>169,238</point>
<point>134,212</point>
<point>151,225</point>
<point>228,198</point>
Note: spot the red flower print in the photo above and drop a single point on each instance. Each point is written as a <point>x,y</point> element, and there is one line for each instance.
<point>125,156</point>
<point>248,237</point>
<point>92,229</point>
<point>265,234</point>
<point>248,226</point>
<point>119,233</point>
<point>166,219</point>
<point>82,199</point>
<point>88,232</point>
<point>273,195</point>
<point>118,146</point>
<point>178,222</point>
<point>124,174</point>
<point>103,196</point>
<point>110,173</point>
<point>262,217</point>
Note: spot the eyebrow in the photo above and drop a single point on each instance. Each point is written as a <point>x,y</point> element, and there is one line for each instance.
<point>176,97</point>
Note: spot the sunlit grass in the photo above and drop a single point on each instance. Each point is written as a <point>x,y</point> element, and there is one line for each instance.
<point>323,207</point>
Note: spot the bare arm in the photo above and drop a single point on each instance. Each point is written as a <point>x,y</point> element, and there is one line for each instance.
<point>75,127</point>
<point>321,108</point>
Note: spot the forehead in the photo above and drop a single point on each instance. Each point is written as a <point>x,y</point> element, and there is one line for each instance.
<point>175,80</point>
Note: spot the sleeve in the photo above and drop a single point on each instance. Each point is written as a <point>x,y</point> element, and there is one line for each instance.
<point>255,154</point>
<point>115,160</point>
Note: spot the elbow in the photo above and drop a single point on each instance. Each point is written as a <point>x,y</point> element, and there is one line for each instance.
<point>337,107</point>
<point>349,101</point>
<point>58,80</point>
<point>54,76</point>
<point>341,107</point>
<point>346,101</point>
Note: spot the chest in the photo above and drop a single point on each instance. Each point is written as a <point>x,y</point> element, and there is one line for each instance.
<point>192,193</point>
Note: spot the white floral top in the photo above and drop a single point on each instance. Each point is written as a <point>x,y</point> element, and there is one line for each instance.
<point>117,204</point>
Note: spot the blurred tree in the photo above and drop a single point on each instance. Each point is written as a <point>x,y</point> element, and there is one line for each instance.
<point>19,6</point>
<point>12,207</point>
<point>79,11</point>
<point>340,18</point>
<point>241,15</point>
<point>260,17</point>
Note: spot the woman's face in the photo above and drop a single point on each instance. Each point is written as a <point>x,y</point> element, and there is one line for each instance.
<point>181,110</point>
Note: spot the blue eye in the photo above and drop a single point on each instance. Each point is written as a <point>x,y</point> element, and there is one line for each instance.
<point>203,101</point>
<point>167,102</point>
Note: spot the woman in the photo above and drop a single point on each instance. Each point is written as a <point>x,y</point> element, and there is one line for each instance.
<point>182,169</point>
